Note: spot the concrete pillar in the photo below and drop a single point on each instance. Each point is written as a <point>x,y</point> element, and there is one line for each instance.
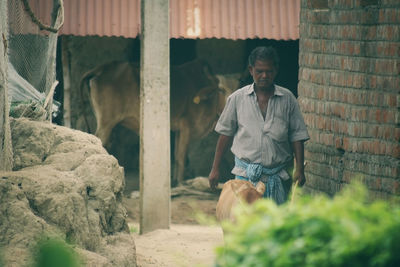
<point>5,133</point>
<point>66,67</point>
<point>155,181</point>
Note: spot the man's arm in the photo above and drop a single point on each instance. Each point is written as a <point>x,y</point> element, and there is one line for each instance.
<point>298,149</point>
<point>222,146</point>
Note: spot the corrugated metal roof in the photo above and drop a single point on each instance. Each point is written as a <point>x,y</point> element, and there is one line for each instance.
<point>19,20</point>
<point>102,17</point>
<point>235,19</point>
<point>230,19</point>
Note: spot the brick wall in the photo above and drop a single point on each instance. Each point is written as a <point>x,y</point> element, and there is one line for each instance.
<point>349,93</point>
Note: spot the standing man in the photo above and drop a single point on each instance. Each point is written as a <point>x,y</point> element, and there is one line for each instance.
<point>264,124</point>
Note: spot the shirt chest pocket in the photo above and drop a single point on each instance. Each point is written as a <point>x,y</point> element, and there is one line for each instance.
<point>278,129</point>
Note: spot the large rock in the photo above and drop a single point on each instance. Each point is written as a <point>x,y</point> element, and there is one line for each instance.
<point>65,184</point>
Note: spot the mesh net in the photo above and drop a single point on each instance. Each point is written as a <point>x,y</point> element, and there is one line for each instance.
<point>33,27</point>
<point>6,153</point>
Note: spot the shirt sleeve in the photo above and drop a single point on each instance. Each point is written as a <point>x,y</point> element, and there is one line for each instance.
<point>297,127</point>
<point>227,122</point>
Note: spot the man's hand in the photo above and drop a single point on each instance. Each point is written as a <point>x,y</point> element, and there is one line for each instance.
<point>213,178</point>
<point>299,176</point>
<point>223,143</point>
<point>298,149</point>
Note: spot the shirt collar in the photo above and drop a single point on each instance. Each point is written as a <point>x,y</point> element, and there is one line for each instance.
<point>277,91</point>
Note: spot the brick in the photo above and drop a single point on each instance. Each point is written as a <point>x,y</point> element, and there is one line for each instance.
<point>362,64</point>
<point>375,195</point>
<point>314,136</point>
<point>376,147</point>
<point>349,176</point>
<point>320,107</point>
<point>338,142</point>
<point>355,146</point>
<point>343,127</point>
<point>390,100</point>
<point>319,169</point>
<point>364,146</point>
<point>397,134</point>
<point>350,74</point>
<point>370,16</point>
<point>370,32</point>
<point>388,116</point>
<point>385,66</point>
<point>342,3</point>
<point>388,83</point>
<point>320,93</point>
<point>347,16</point>
<point>393,150</point>
<point>393,3</point>
<point>318,4</point>
<point>327,124</point>
<point>382,147</point>
<point>320,16</point>
<point>383,132</point>
<point>358,81</point>
<point>372,182</point>
<point>349,80</point>
<point>389,15</point>
<point>369,3</point>
<point>372,81</point>
<point>326,139</point>
<point>374,98</point>
<point>395,172</point>
<point>391,185</point>
<point>386,49</point>
<point>349,48</point>
<point>346,144</point>
<point>388,32</point>
<point>364,130</point>
<point>359,114</point>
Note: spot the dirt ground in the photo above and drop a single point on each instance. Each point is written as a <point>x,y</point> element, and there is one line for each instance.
<point>186,243</point>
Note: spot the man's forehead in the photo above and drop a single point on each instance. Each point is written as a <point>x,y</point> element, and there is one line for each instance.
<point>259,63</point>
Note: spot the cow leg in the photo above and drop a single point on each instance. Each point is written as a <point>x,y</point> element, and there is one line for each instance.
<point>103,132</point>
<point>181,145</point>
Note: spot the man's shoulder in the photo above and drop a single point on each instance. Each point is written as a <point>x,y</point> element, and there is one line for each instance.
<point>241,91</point>
<point>284,91</point>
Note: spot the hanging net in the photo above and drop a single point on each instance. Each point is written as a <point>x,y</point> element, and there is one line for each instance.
<point>32,42</point>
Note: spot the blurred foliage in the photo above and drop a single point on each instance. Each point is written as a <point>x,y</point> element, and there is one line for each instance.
<point>133,230</point>
<point>347,230</point>
<point>53,252</point>
<point>204,219</point>
<point>1,258</point>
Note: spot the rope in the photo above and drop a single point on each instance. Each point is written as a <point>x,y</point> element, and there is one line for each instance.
<point>39,23</point>
<point>295,186</point>
<point>293,193</point>
<point>50,95</point>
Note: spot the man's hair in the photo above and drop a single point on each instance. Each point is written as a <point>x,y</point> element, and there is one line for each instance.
<point>264,53</point>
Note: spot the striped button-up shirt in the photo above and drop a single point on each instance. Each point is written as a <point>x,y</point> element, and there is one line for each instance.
<point>258,140</point>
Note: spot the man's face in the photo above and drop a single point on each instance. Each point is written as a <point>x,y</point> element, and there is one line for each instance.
<point>264,73</point>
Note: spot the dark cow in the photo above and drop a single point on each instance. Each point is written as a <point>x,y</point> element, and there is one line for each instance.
<point>196,102</point>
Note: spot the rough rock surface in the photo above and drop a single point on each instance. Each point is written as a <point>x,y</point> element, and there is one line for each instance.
<point>64,183</point>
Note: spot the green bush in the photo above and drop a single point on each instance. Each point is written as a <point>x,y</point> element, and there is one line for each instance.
<point>1,258</point>
<point>315,231</point>
<point>52,252</point>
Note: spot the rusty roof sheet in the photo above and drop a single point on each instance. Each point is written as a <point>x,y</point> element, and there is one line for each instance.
<point>230,19</point>
<point>235,19</point>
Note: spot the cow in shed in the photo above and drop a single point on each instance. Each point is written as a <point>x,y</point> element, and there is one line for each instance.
<point>235,192</point>
<point>196,102</point>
